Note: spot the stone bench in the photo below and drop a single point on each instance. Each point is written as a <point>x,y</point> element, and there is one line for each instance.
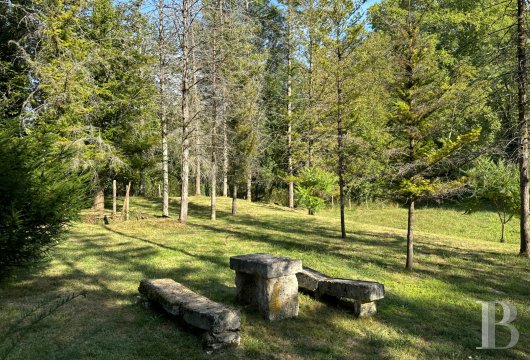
<point>267,283</point>
<point>220,323</point>
<point>363,293</point>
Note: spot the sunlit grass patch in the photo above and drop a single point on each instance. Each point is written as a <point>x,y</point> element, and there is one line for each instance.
<point>431,313</point>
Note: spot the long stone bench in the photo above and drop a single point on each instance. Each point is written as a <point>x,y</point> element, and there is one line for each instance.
<point>363,293</point>
<point>220,323</point>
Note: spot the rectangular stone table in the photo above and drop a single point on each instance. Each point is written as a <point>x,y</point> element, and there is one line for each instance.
<point>268,283</point>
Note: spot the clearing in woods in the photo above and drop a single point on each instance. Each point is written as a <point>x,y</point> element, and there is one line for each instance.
<point>431,313</point>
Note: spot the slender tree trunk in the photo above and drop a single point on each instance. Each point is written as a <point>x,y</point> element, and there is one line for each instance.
<point>99,198</point>
<point>142,182</point>
<point>523,125</point>
<point>249,187</point>
<point>225,152</point>
<point>410,81</point>
<point>339,143</point>
<point>198,178</point>
<point>185,112</point>
<point>213,178</point>
<point>127,200</point>
<point>310,93</point>
<point>114,190</point>
<point>125,207</point>
<point>234,200</point>
<point>289,107</point>
<point>213,185</point>
<point>162,109</point>
<point>197,122</point>
<point>410,236</point>
<point>502,231</point>
<point>165,169</point>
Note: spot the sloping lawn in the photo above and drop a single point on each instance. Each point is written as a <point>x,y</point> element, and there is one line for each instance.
<point>431,313</point>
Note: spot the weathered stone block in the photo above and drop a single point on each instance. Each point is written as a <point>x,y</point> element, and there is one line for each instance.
<point>275,298</point>
<point>268,283</point>
<point>208,315</point>
<point>362,291</point>
<point>308,279</point>
<point>278,297</point>
<point>220,321</point>
<point>364,309</point>
<point>214,341</point>
<point>265,265</point>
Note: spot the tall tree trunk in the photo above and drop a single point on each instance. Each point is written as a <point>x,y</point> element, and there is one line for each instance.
<point>185,112</point>
<point>127,201</point>
<point>165,169</point>
<point>289,107</point>
<point>125,207</point>
<point>197,122</point>
<point>225,150</point>
<point>339,143</point>
<point>310,139</point>
<point>523,125</point>
<point>99,197</point>
<point>142,182</point>
<point>410,236</point>
<point>234,200</point>
<point>249,186</point>
<point>198,178</point>
<point>213,185</point>
<point>114,190</point>
<point>162,109</point>
<point>213,178</point>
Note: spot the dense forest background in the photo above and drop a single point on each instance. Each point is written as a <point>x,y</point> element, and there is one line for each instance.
<point>296,102</point>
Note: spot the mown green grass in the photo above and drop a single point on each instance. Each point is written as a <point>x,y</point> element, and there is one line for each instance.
<point>431,313</point>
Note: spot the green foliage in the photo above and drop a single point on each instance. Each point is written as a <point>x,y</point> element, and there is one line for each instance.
<point>498,183</point>
<point>243,79</point>
<point>39,196</point>
<point>433,117</point>
<point>95,83</point>
<point>15,85</point>
<point>313,185</point>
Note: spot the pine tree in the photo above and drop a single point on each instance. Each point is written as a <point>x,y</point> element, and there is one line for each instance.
<point>342,31</point>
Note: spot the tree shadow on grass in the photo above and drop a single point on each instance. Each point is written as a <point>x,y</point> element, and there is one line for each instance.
<point>441,261</point>
<point>111,325</point>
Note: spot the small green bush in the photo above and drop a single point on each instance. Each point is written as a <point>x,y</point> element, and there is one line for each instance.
<point>38,196</point>
<point>313,185</point>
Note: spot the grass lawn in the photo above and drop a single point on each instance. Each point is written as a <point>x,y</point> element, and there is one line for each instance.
<point>431,313</point>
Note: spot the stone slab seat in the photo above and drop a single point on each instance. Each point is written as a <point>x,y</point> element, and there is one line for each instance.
<point>363,293</point>
<point>308,279</point>
<point>220,322</point>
